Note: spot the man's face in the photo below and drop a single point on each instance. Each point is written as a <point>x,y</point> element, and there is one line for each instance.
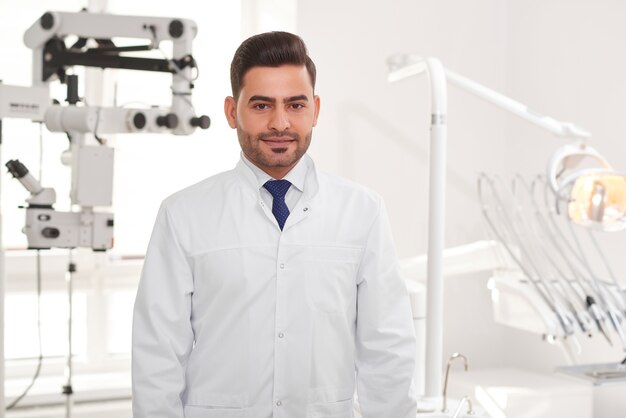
<point>274,116</point>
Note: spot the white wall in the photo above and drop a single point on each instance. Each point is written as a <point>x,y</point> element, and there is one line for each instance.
<point>563,58</point>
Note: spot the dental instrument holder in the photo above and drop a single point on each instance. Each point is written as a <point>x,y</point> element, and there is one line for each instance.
<point>400,67</point>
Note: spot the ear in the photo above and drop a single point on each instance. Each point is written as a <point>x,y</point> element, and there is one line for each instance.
<point>316,102</point>
<point>230,110</point>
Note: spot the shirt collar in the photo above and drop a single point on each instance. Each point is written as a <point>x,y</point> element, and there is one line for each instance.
<point>296,176</point>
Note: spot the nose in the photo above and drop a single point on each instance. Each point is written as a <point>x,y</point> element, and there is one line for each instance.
<point>279,120</point>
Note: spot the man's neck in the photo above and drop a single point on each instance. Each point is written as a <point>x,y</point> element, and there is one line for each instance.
<point>274,172</point>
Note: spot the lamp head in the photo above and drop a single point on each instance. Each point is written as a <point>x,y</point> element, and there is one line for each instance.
<point>595,196</point>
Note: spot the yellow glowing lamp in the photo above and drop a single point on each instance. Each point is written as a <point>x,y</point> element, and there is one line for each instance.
<point>596,196</point>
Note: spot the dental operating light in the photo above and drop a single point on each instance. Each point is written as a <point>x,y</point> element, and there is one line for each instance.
<point>595,197</point>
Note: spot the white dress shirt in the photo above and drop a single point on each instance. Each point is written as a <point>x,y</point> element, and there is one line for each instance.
<point>235,318</point>
<point>296,177</point>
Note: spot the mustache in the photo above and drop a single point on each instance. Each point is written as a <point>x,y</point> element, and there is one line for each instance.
<point>266,135</point>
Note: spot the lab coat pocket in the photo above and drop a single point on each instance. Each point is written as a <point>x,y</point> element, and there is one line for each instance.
<point>332,404</point>
<point>195,411</point>
<point>215,406</point>
<point>340,409</point>
<point>331,278</point>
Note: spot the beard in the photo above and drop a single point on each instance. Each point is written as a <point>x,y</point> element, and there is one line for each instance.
<point>266,135</point>
<point>277,156</point>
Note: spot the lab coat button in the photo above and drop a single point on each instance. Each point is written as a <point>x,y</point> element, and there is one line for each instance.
<point>305,209</point>
<point>281,335</point>
<point>282,266</point>
<point>278,403</point>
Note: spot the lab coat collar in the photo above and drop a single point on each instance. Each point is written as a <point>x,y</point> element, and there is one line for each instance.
<point>296,176</point>
<point>305,204</point>
<point>303,176</point>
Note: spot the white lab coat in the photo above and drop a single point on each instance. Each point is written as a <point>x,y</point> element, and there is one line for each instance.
<point>227,299</point>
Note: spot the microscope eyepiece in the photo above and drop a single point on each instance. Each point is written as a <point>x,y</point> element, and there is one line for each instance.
<point>17,169</point>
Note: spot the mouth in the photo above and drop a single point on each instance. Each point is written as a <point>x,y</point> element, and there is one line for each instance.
<point>280,138</point>
<point>278,141</point>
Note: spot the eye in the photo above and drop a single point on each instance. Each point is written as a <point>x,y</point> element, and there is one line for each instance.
<point>261,106</point>
<point>296,106</point>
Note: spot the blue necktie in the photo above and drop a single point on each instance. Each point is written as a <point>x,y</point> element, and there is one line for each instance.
<point>278,190</point>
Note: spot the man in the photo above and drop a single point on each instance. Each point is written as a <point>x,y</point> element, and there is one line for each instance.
<point>272,290</point>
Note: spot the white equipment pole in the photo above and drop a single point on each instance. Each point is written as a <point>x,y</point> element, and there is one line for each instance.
<point>436,228</point>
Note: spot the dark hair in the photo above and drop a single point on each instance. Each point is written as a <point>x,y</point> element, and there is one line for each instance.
<point>270,49</point>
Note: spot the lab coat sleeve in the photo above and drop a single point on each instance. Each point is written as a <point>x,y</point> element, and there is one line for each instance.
<point>385,337</point>
<point>162,333</point>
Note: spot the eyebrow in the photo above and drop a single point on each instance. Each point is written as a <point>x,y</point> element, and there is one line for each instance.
<point>257,98</point>
<point>299,98</point>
